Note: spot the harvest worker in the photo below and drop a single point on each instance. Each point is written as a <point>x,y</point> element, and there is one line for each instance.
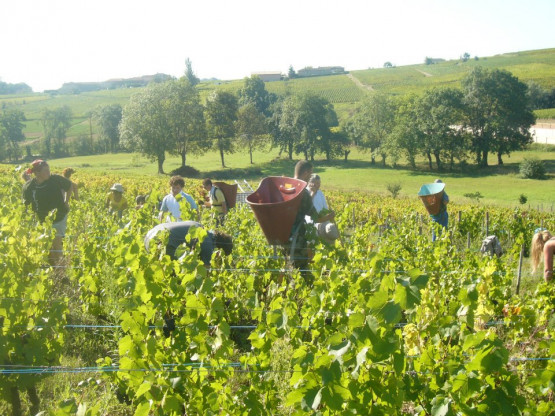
<point>66,173</point>
<point>544,242</point>
<point>303,170</point>
<point>442,217</point>
<point>179,230</point>
<point>45,193</point>
<point>115,201</point>
<point>176,200</point>
<point>327,230</point>
<point>217,200</point>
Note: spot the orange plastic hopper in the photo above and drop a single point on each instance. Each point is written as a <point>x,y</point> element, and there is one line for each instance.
<point>275,205</point>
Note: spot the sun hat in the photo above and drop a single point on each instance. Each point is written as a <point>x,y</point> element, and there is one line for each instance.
<point>36,165</point>
<point>118,187</point>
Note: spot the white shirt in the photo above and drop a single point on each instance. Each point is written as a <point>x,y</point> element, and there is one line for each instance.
<point>171,204</point>
<point>319,201</point>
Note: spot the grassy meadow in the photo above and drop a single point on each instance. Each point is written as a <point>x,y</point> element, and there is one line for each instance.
<point>499,185</point>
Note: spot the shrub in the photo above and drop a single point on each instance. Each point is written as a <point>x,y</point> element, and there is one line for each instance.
<point>541,147</point>
<point>475,196</point>
<point>186,172</point>
<point>522,199</point>
<point>394,189</point>
<point>238,173</point>
<point>532,169</point>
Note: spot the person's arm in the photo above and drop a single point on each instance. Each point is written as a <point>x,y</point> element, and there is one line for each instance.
<point>548,251</point>
<point>328,217</point>
<point>163,209</point>
<point>27,196</point>
<point>124,205</point>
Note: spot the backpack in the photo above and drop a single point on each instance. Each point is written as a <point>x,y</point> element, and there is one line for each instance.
<point>229,191</point>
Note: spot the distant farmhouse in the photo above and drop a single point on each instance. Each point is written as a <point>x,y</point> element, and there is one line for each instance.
<point>320,71</point>
<point>268,76</point>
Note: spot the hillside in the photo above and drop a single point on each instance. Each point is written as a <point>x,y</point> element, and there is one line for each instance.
<point>344,91</point>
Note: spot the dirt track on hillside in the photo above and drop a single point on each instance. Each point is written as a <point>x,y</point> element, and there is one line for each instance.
<point>424,73</point>
<point>360,84</point>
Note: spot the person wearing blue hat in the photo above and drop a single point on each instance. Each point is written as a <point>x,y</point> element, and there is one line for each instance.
<point>442,217</point>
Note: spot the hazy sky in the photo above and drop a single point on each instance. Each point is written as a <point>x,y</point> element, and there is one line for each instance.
<point>45,43</point>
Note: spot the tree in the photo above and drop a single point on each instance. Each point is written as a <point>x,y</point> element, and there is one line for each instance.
<point>331,143</point>
<point>20,88</point>
<point>428,60</point>
<point>439,118</point>
<point>254,91</point>
<point>221,110</point>
<point>282,137</point>
<point>108,118</point>
<point>11,133</point>
<point>145,125</point>
<point>187,120</point>
<point>55,124</point>
<point>352,136</point>
<point>406,138</point>
<point>306,118</point>
<point>388,65</point>
<point>189,74</point>
<point>497,113</point>
<point>538,98</point>
<point>341,142</point>
<point>251,128</point>
<point>375,120</point>
<point>465,57</point>
<point>291,73</point>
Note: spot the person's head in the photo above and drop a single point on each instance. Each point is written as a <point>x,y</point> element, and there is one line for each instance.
<point>223,241</point>
<point>438,181</point>
<point>303,170</point>
<point>40,169</point>
<point>207,184</point>
<point>177,183</point>
<point>538,241</point>
<point>314,182</point>
<point>117,191</point>
<point>140,200</point>
<point>67,172</point>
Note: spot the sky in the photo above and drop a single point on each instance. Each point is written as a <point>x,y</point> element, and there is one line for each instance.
<point>45,43</point>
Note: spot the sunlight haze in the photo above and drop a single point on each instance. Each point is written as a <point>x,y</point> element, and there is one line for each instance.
<point>47,43</point>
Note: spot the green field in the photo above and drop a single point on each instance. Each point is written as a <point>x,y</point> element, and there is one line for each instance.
<point>499,185</point>
<point>342,92</point>
<point>537,66</point>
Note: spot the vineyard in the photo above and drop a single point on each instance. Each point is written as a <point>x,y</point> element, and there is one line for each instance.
<point>385,322</point>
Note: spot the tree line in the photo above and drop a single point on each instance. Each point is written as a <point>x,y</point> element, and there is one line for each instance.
<point>491,113</point>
